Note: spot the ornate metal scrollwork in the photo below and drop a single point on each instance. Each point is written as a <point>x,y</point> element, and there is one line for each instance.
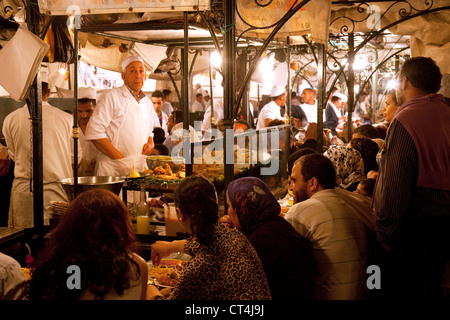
<point>404,7</point>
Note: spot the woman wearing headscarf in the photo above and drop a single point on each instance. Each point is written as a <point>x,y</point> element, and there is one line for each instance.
<point>349,166</point>
<point>286,256</point>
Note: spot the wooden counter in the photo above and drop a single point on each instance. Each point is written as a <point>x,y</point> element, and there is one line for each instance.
<point>12,243</point>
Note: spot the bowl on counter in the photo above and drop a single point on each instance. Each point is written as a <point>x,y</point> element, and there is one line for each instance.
<point>113,184</point>
<point>175,163</point>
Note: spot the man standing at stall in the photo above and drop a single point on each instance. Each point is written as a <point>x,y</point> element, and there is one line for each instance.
<point>309,105</point>
<point>159,117</point>
<point>412,196</point>
<point>121,125</point>
<point>87,100</point>
<point>57,148</point>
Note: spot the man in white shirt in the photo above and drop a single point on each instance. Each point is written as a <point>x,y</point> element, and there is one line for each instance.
<point>175,127</point>
<point>272,110</point>
<point>197,105</point>
<point>309,105</point>
<point>57,148</point>
<point>335,229</point>
<point>218,115</point>
<point>13,284</point>
<point>167,106</point>
<point>121,125</point>
<point>159,117</point>
<point>87,100</point>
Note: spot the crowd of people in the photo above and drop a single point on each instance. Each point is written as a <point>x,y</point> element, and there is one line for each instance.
<point>380,197</point>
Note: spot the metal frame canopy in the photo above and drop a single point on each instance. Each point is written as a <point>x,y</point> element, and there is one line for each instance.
<point>64,7</point>
<point>229,28</point>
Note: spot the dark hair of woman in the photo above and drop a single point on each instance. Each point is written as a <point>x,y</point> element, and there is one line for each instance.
<point>196,197</point>
<point>94,234</point>
<point>368,150</point>
<point>393,93</point>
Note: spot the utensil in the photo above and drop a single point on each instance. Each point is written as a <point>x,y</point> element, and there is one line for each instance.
<point>110,183</point>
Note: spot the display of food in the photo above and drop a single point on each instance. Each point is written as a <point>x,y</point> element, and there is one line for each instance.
<point>27,273</point>
<point>167,273</point>
<point>158,178</point>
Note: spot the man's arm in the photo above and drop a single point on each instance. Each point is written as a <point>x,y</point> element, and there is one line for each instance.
<point>148,147</point>
<point>104,146</point>
<point>266,122</point>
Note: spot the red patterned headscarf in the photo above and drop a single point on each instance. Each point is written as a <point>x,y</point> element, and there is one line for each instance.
<point>253,202</point>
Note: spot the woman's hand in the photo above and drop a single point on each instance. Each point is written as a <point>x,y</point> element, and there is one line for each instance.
<point>226,220</point>
<point>372,174</point>
<point>161,249</point>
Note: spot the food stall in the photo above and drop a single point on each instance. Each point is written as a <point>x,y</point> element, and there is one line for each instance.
<point>251,29</point>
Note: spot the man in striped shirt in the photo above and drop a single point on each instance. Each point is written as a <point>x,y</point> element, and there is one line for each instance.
<point>338,235</point>
<point>412,197</point>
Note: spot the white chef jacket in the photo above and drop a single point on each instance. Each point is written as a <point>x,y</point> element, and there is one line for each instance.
<point>90,154</point>
<point>197,106</point>
<point>127,124</point>
<point>218,115</point>
<point>167,108</point>
<point>270,111</point>
<point>156,122</point>
<point>311,112</point>
<point>57,145</point>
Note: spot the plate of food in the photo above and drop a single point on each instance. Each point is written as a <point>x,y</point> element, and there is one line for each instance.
<point>167,273</point>
<point>164,276</point>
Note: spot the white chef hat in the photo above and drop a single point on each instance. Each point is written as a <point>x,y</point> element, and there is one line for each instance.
<point>277,91</point>
<point>86,93</point>
<point>129,60</point>
<point>341,95</point>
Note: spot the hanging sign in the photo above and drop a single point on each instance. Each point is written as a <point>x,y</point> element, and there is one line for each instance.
<point>84,7</point>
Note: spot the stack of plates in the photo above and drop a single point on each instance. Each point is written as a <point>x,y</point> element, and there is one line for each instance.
<point>58,207</point>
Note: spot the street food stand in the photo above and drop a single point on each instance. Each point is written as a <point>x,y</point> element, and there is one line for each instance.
<point>251,29</point>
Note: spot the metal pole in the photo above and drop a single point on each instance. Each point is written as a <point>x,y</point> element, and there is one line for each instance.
<point>321,94</point>
<point>211,95</point>
<point>76,129</point>
<point>185,97</point>
<point>289,88</point>
<point>351,84</point>
<point>228,83</point>
<point>34,103</point>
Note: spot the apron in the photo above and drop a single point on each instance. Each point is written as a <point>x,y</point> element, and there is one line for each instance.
<point>22,202</point>
<point>129,140</point>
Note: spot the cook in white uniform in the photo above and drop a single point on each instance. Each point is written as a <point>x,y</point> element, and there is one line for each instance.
<point>159,117</point>
<point>57,149</point>
<point>87,98</point>
<point>121,125</point>
<point>218,115</point>
<point>309,104</point>
<point>272,110</point>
